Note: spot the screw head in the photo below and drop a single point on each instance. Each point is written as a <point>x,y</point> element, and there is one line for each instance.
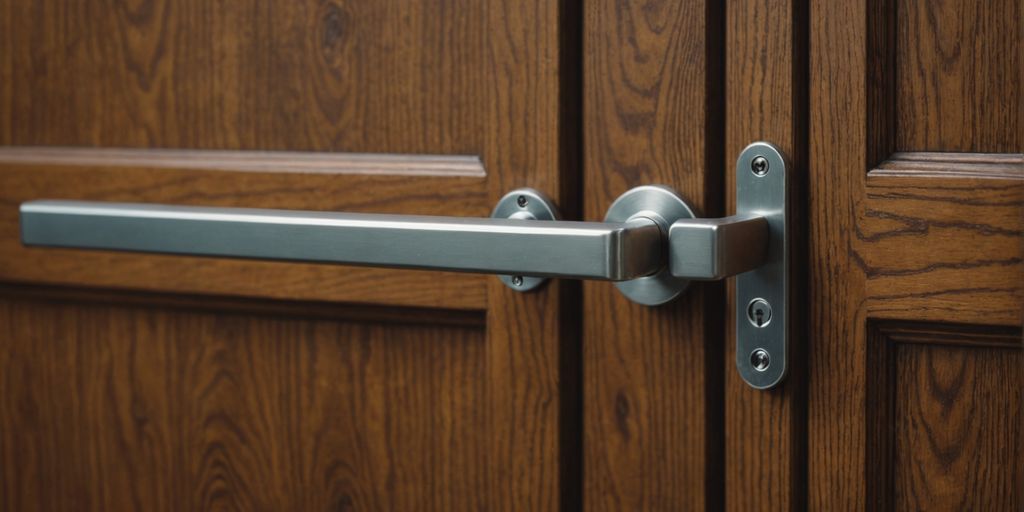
<point>760,359</point>
<point>522,201</point>
<point>759,166</point>
<point>517,280</point>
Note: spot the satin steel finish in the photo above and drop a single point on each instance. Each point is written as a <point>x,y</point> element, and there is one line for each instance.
<point>664,206</point>
<point>763,292</point>
<point>712,249</point>
<point>587,250</point>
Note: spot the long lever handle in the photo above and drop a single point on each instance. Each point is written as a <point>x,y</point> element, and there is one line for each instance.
<point>512,242</point>
<point>650,244</point>
<point>612,251</point>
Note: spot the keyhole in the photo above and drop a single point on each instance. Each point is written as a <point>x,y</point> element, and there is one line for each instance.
<point>759,312</point>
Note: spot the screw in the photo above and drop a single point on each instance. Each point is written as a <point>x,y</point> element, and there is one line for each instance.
<point>760,359</point>
<point>517,280</point>
<point>522,201</point>
<point>759,165</point>
<point>759,312</point>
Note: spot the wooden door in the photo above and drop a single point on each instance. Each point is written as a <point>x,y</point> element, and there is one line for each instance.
<point>149,382</point>
<point>916,361</point>
<point>159,382</point>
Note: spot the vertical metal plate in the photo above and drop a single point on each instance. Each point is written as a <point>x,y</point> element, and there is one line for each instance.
<point>762,294</point>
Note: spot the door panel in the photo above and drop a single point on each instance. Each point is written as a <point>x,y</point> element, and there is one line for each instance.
<point>916,275</point>
<point>947,415</point>
<point>149,407</point>
<point>214,387</point>
<point>955,64</point>
<point>391,76</point>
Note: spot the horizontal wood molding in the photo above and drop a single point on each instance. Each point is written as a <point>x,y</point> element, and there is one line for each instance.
<point>112,178</point>
<point>952,165</point>
<point>374,164</point>
<point>944,233</point>
<point>964,335</point>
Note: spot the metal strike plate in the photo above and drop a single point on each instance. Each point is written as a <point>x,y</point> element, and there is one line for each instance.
<point>762,294</point>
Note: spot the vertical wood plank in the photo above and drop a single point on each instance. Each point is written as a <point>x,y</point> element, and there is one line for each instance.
<point>532,338</point>
<point>652,105</point>
<point>766,72</point>
<point>839,148</point>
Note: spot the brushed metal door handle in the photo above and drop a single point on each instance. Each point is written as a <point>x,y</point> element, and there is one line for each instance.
<point>650,244</point>
<point>511,242</point>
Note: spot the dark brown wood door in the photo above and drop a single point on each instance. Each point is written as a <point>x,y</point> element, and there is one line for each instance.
<point>150,382</point>
<point>147,382</point>
<point>916,361</point>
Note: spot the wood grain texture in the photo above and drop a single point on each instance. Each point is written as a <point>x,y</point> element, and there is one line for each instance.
<point>384,77</point>
<point>885,243</point>
<point>493,79</point>
<point>960,76</point>
<point>653,376</point>
<point>947,432</point>
<point>388,76</point>
<point>766,73</point>
<point>533,359</point>
<point>459,196</point>
<point>946,244</point>
<point>848,130</point>
<point>155,408</point>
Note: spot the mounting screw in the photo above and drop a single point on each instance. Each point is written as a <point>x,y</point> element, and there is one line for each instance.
<point>759,312</point>
<point>517,280</point>
<point>759,166</point>
<point>522,201</point>
<point>760,359</point>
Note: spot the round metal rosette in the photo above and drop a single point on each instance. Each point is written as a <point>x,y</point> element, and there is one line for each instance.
<point>664,206</point>
<point>525,204</point>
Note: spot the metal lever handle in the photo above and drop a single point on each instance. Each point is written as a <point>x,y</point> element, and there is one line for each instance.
<point>650,244</point>
<point>587,250</point>
<point>511,242</point>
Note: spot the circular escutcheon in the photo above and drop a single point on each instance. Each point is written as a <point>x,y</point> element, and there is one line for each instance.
<point>524,204</point>
<point>664,206</point>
